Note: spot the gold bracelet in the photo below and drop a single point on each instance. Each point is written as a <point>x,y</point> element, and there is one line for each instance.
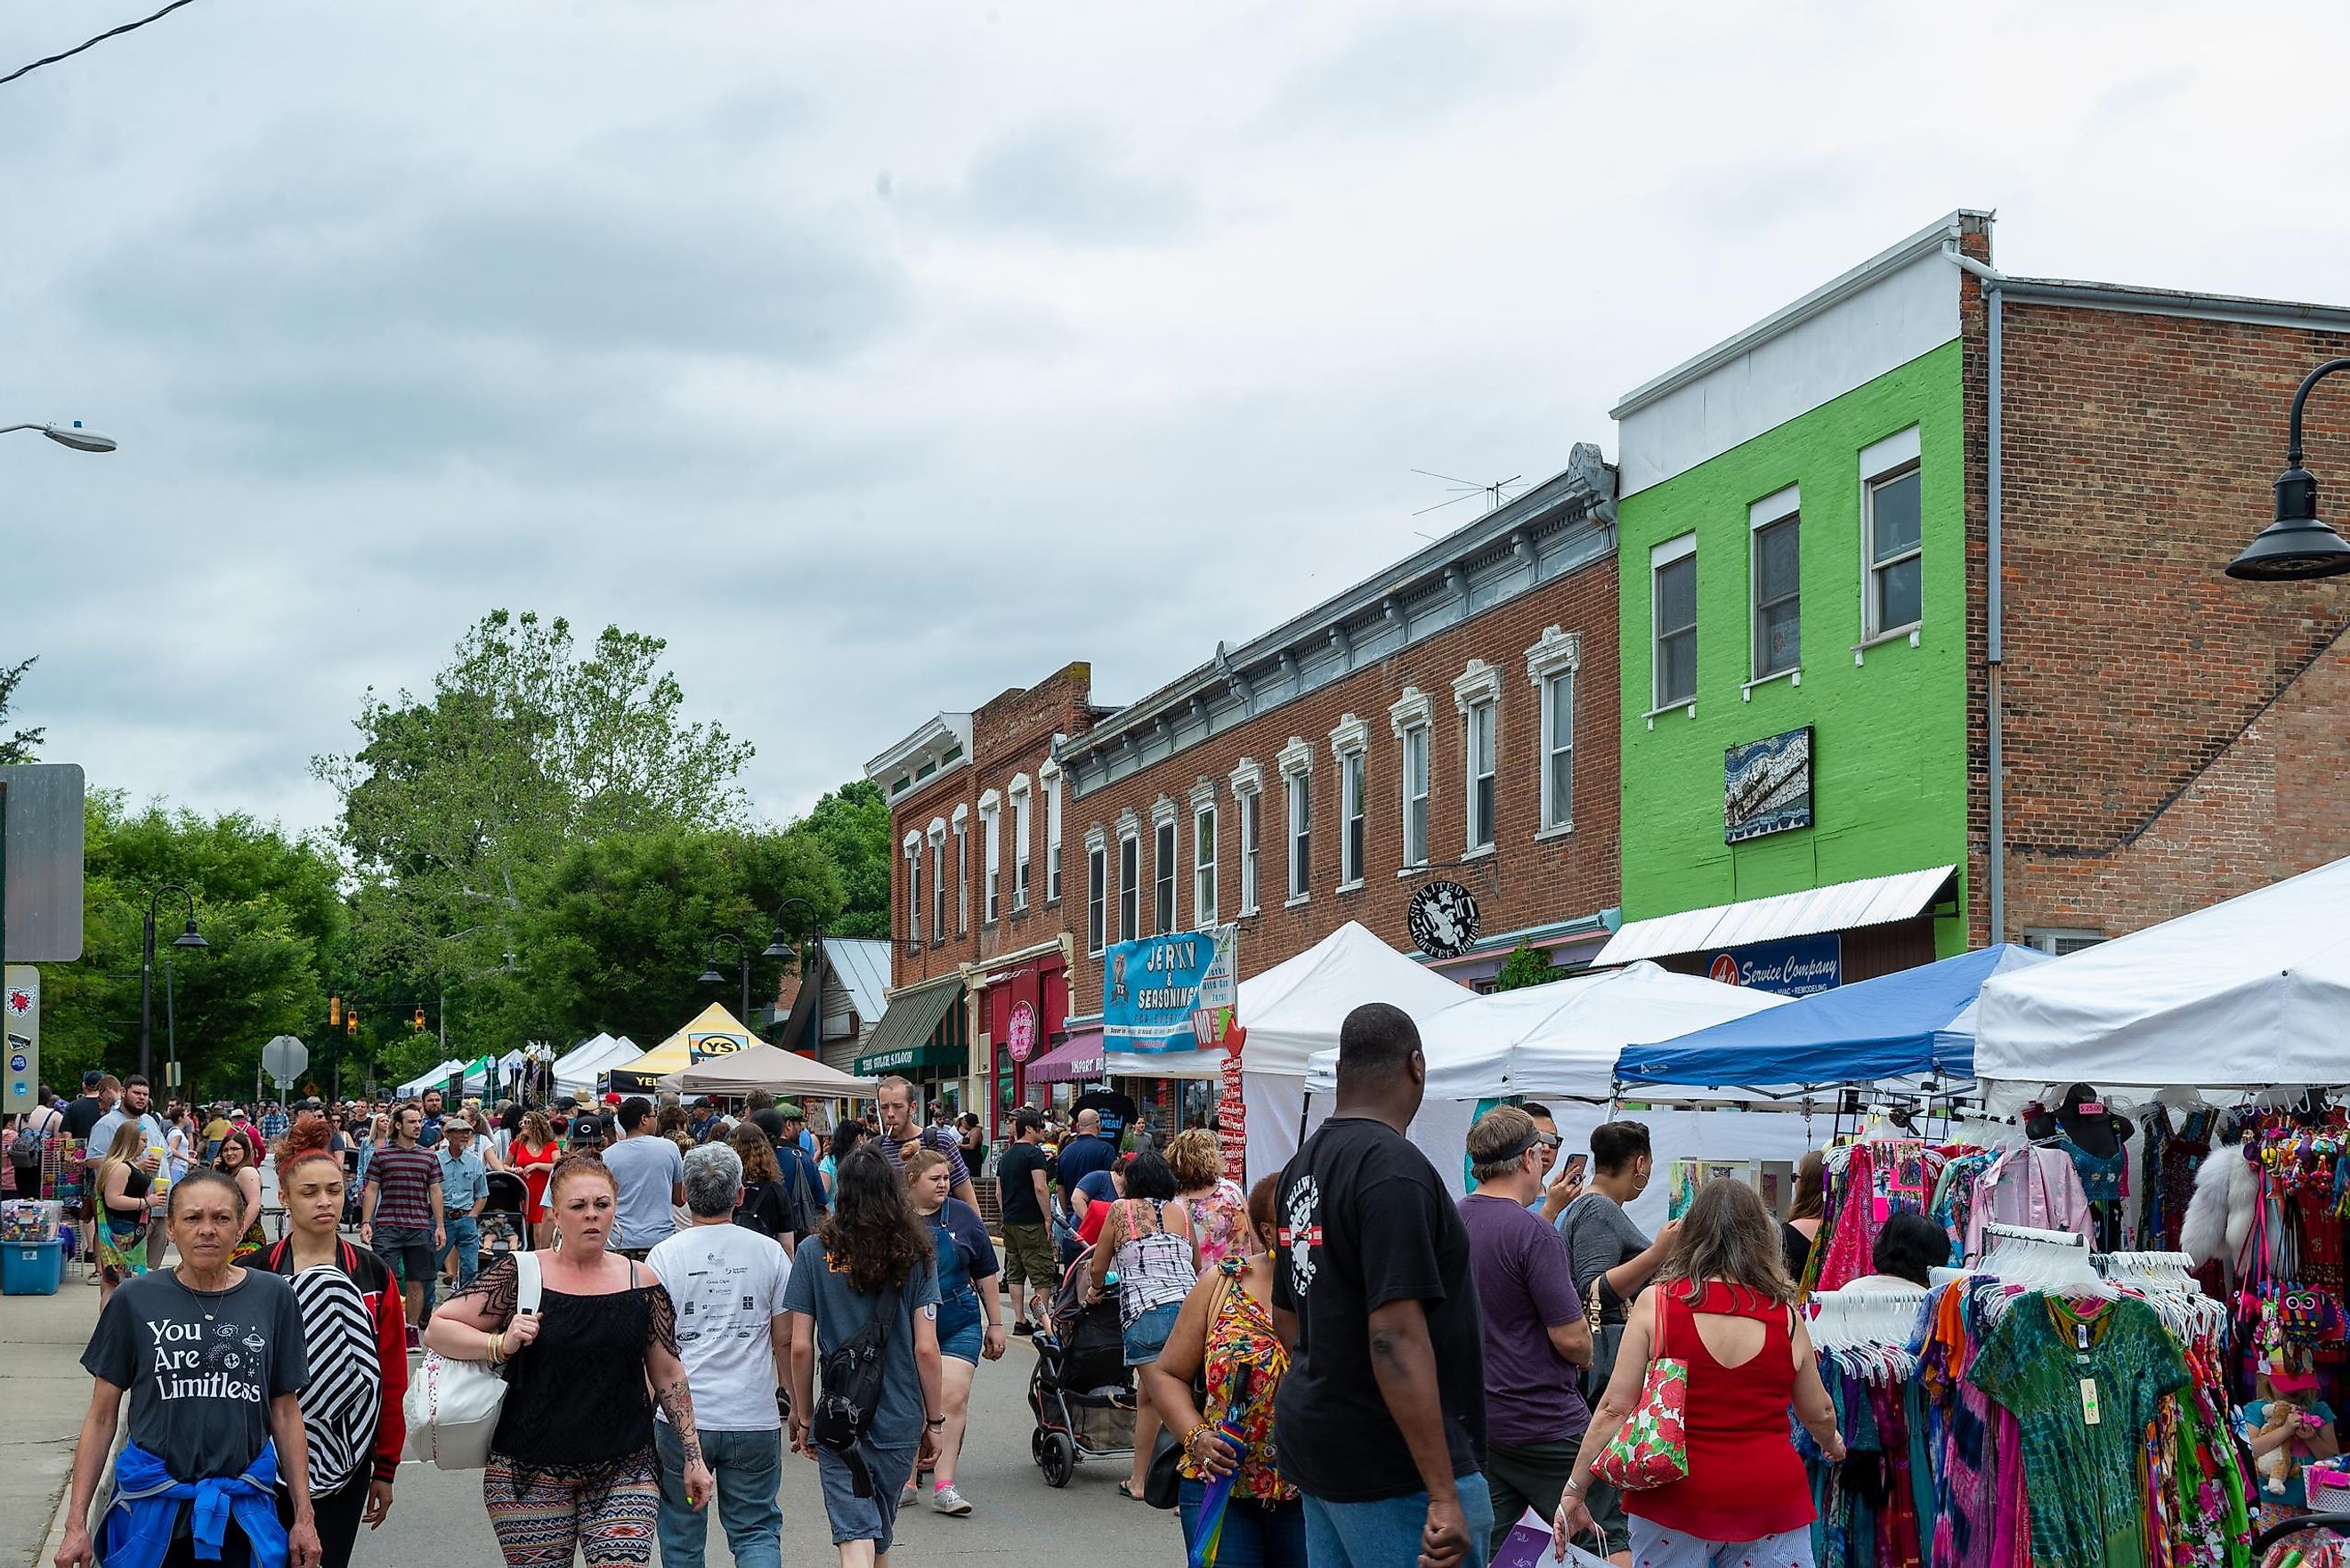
<point>1203,1427</point>
<point>497,1349</point>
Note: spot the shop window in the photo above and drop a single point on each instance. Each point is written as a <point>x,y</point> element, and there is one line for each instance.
<point>1777,571</point>
<point>1892,537</point>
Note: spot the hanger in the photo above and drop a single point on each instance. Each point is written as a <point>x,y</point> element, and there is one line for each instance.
<point>2041,1260</point>
<point>1851,1319</point>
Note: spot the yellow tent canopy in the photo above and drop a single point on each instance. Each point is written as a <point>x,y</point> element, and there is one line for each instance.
<point>713,1032</point>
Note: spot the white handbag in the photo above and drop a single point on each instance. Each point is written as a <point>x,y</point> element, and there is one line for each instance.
<point>453,1405</point>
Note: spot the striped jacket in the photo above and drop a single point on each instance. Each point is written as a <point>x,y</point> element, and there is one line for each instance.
<point>333,1389</point>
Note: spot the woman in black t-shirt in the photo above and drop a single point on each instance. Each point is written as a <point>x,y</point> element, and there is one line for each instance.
<point>572,1462</point>
<point>762,1207</point>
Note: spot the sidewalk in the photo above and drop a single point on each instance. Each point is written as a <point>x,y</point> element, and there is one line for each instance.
<point>45,1392</point>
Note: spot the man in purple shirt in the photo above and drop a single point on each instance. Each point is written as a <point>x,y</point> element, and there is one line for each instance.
<point>1536,1339</point>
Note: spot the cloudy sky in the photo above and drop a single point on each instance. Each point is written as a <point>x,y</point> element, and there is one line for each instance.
<point>882,356</point>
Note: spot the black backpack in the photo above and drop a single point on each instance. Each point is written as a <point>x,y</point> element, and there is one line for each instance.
<point>850,1393</point>
<point>802,1209</point>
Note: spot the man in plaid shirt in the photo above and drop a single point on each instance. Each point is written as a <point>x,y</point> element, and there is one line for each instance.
<point>902,1135</point>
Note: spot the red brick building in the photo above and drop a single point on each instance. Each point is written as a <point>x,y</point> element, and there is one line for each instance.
<point>978,810</point>
<point>1267,787</point>
<point>2168,737</point>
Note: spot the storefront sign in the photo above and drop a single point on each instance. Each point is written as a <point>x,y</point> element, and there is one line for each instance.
<point>1797,966</point>
<point>1020,1032</point>
<point>1232,1122</point>
<point>1167,993</point>
<point>1767,786</point>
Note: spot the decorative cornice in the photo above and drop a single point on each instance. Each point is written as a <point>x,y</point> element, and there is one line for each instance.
<point>1203,795</point>
<point>1554,651</point>
<point>1413,711</point>
<point>1296,757</point>
<point>1248,777</point>
<point>1352,737</point>
<point>1162,811</point>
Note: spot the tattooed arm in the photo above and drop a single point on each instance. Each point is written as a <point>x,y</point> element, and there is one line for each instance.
<point>666,1372</point>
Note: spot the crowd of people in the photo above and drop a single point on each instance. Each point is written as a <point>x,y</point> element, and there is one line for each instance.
<point>1351,1367</point>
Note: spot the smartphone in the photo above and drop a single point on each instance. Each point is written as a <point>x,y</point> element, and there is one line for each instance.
<point>1574,1164</point>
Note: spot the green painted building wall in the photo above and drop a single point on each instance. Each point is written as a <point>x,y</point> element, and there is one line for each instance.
<point>1890,733</point>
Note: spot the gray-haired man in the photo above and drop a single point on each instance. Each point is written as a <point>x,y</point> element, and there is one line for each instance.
<point>727,1282</point>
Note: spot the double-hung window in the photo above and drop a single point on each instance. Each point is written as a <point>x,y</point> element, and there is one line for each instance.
<point>1247,800</point>
<point>1481,717</point>
<point>990,819</point>
<point>1892,537</point>
<point>1776,551</point>
<point>1130,883</point>
<point>1162,902</point>
<point>1672,603</point>
<point>1203,864</point>
<point>963,872</point>
<point>1020,822</point>
<point>1053,835</point>
<point>1096,894</point>
<point>938,884</point>
<point>914,888</point>
<point>1411,718</point>
<point>1301,835</point>
<point>1350,744</point>
<point>1551,665</point>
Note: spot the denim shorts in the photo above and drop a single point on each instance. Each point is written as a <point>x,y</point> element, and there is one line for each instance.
<point>964,1343</point>
<point>1147,1334</point>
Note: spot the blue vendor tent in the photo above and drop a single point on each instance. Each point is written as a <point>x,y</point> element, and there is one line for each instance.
<point>1912,1022</point>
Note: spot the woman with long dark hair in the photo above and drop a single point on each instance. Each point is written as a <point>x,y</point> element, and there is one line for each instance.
<point>240,1161</point>
<point>1724,1305</point>
<point>873,1271</point>
<point>355,1340</point>
<point>761,1209</point>
<point>845,1138</point>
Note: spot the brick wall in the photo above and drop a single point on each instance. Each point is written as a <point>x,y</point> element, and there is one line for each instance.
<point>1525,881</point>
<point>1010,735</point>
<point>2173,737</point>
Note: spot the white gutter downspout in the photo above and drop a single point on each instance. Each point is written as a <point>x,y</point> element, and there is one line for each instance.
<point>1993,282</point>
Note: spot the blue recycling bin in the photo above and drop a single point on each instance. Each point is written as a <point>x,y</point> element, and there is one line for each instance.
<point>31,1268</point>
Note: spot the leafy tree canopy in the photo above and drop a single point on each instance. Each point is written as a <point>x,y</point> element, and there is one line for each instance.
<point>851,826</point>
<point>1526,966</point>
<point>18,747</point>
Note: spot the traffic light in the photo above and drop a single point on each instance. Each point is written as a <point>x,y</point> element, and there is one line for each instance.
<point>334,1011</point>
<point>351,1022</point>
<point>419,1020</point>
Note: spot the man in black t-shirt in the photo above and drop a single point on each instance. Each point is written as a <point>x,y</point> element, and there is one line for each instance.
<point>1387,1444</point>
<point>99,1092</point>
<point>1023,1178</point>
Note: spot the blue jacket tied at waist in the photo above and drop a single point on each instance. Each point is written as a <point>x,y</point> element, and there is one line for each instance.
<point>137,1530</point>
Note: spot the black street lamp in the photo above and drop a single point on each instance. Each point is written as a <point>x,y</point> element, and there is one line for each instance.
<point>814,938</point>
<point>2296,547</point>
<point>186,939</point>
<point>710,976</point>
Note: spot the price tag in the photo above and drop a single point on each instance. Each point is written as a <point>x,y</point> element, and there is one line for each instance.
<point>2090,1413</point>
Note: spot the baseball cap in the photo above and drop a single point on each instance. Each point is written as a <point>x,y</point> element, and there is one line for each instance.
<point>309,1103</point>
<point>92,1079</point>
<point>2293,1381</point>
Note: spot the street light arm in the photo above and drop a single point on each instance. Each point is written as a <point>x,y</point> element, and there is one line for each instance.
<point>2308,383</point>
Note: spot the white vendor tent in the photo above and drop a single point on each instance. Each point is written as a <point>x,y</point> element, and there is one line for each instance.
<point>2245,994</point>
<point>1560,1041</point>
<point>438,1079</point>
<point>583,1064</point>
<point>771,1067</point>
<point>1295,1008</point>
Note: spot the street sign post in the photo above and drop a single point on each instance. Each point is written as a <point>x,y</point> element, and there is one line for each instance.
<point>20,1021</point>
<point>40,862</point>
<point>283,1059</point>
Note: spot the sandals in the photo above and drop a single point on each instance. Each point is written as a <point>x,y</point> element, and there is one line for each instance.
<point>1128,1493</point>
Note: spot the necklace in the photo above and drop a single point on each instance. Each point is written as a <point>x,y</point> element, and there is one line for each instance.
<point>207,1296</point>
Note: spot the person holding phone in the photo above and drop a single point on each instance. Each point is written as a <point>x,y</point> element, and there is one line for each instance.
<point>1551,1197</point>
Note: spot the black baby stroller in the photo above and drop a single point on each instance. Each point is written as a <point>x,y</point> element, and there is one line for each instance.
<point>1082,1391</point>
<point>506,1217</point>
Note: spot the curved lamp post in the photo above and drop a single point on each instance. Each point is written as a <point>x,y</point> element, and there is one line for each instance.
<point>71,435</point>
<point>2297,547</point>
<point>710,975</point>
<point>186,939</point>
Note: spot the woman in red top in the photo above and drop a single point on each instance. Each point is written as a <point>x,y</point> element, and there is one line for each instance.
<point>1725,1306</point>
<point>533,1158</point>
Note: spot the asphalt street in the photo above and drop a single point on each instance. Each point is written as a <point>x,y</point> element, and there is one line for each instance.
<point>437,1517</point>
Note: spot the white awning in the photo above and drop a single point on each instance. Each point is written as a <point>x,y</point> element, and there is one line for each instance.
<point>1840,907</point>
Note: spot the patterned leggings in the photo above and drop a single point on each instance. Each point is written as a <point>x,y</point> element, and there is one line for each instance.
<point>537,1524</point>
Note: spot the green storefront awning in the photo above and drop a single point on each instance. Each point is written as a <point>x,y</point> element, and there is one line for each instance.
<point>909,1036</point>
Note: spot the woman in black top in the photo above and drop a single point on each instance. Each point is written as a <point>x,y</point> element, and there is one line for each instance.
<point>572,1460</point>
<point>762,1207</point>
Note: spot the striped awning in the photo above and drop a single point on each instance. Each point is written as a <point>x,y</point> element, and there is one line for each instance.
<point>1839,907</point>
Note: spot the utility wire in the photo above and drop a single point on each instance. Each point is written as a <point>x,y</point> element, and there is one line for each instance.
<point>78,48</point>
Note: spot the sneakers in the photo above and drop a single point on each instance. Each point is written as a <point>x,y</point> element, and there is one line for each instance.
<point>949,1501</point>
<point>415,1340</point>
<point>1023,1326</point>
<point>913,1491</point>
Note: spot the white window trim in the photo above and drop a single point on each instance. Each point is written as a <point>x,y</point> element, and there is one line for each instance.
<point>1362,805</point>
<point>2045,939</point>
<point>1661,556</point>
<point>913,852</point>
<point>1248,784</point>
<point>1412,711</point>
<point>938,890</point>
<point>962,814</point>
<point>1248,777</point>
<point>1051,775</point>
<point>1770,510</point>
<point>1097,887</point>
<point>1210,870</point>
<point>1162,811</point>
<point>1024,826</point>
<point>1297,757</point>
<point>1479,683</point>
<point>990,821</point>
<point>962,874</point>
<point>1555,653</point>
<point>1352,738</point>
<point>1478,686</point>
<point>1166,871</point>
<point>1891,458</point>
<point>1296,784</point>
<point>1130,831</point>
<point>938,830</point>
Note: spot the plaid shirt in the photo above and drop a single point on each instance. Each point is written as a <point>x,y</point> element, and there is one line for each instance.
<point>400,1174</point>
<point>274,1126</point>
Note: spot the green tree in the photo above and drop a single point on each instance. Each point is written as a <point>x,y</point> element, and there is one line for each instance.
<point>1526,966</point>
<point>851,825</point>
<point>458,805</point>
<point>268,907</point>
<point>632,917</point>
<point>19,747</point>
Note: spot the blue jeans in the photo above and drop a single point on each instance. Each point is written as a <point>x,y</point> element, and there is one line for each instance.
<point>1256,1534</point>
<point>748,1467</point>
<point>1386,1532</point>
<point>465,1240</point>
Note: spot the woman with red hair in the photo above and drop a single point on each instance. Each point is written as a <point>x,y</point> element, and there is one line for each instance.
<point>355,1334</point>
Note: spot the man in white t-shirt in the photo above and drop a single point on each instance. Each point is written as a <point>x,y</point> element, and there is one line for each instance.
<point>726,1281</point>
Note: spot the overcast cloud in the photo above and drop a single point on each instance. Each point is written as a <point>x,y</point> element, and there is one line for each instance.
<point>872,354</point>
